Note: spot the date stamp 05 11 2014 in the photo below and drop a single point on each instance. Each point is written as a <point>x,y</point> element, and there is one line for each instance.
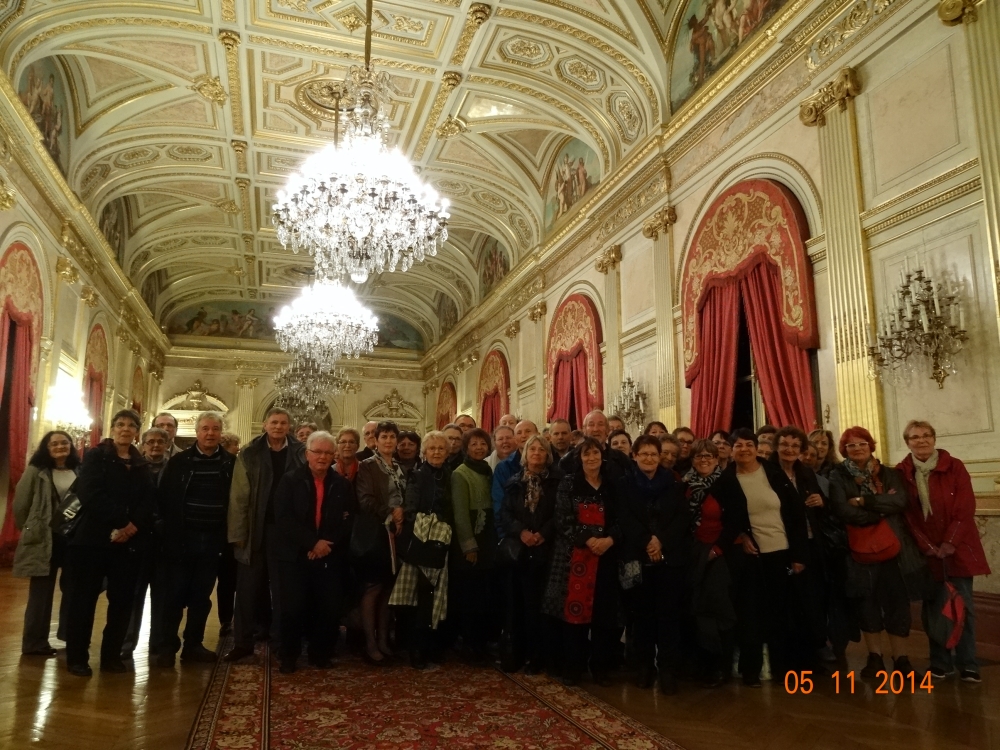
<point>889,683</point>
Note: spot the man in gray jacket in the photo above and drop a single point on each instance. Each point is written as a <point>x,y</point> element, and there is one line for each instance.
<point>259,468</point>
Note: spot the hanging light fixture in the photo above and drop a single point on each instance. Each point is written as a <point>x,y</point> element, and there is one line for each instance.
<point>358,206</point>
<point>326,323</point>
<point>304,381</point>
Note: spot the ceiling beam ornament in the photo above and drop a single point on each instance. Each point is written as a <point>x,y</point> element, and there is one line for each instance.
<point>479,13</point>
<point>210,87</point>
<point>449,82</point>
<point>231,41</point>
<point>240,149</point>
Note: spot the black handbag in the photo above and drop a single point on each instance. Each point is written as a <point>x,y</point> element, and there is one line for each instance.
<point>509,551</point>
<point>67,515</point>
<point>429,554</point>
<point>369,541</point>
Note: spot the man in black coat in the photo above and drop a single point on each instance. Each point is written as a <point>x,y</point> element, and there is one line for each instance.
<point>193,500</point>
<point>617,464</point>
<point>313,514</point>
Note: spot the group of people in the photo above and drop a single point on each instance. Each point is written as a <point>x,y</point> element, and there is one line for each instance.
<point>672,555</point>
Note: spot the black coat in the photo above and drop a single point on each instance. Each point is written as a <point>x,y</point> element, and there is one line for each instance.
<point>112,495</point>
<point>616,464</point>
<point>736,518</point>
<point>428,491</point>
<point>295,516</point>
<point>172,494</point>
<point>515,517</point>
<point>654,507</point>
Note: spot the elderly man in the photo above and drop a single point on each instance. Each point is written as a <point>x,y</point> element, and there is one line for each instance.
<point>193,500</point>
<point>504,444</point>
<point>559,437</point>
<point>595,425</point>
<point>313,509</point>
<point>465,422</point>
<point>685,439</point>
<point>153,446</point>
<point>615,423</point>
<point>453,433</point>
<point>509,467</point>
<point>368,435</point>
<point>508,420</point>
<point>941,516</point>
<point>168,423</point>
<point>259,468</point>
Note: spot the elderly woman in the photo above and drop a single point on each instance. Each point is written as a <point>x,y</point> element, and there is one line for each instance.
<point>347,463</point>
<point>527,517</point>
<point>655,524</point>
<point>41,553</point>
<point>656,429</point>
<point>885,572</point>
<point>230,442</point>
<point>421,587</point>
<point>620,440</point>
<point>380,487</point>
<point>304,430</point>
<point>720,439</point>
<point>474,542</point>
<point>941,515</point>
<point>313,508</point>
<point>827,456</point>
<point>117,506</point>
<point>582,588</point>
<point>670,449</point>
<point>408,451</point>
<point>765,542</point>
<point>712,606</point>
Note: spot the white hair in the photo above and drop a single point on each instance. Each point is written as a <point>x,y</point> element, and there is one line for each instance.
<point>318,437</point>
<point>213,415</point>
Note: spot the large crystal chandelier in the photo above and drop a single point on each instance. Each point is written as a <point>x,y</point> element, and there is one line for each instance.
<point>358,206</point>
<point>303,380</point>
<point>326,323</point>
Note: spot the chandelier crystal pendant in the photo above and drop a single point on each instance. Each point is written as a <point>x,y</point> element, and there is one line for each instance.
<point>357,206</point>
<point>326,323</point>
<point>304,381</point>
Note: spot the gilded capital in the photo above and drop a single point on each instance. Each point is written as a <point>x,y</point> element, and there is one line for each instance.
<point>451,79</point>
<point>537,312</point>
<point>7,196</point>
<point>954,12</point>
<point>659,222</point>
<point>608,259</point>
<point>67,271</point>
<point>230,39</point>
<point>837,92</point>
<point>479,13</point>
<point>513,329</point>
<point>246,382</point>
<point>89,295</point>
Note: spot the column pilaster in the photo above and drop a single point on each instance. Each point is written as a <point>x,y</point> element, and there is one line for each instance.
<point>352,406</point>
<point>241,416</point>
<point>608,263</point>
<point>659,228</point>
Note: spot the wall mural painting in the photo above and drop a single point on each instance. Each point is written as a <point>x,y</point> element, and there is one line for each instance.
<point>43,93</point>
<point>447,312</point>
<point>151,287</point>
<point>396,333</point>
<point>114,228</point>
<point>447,406</point>
<point>494,266</point>
<point>575,172</point>
<point>239,320</point>
<point>710,33</point>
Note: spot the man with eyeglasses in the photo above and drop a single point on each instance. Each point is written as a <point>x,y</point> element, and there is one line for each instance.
<point>368,434</point>
<point>941,516</point>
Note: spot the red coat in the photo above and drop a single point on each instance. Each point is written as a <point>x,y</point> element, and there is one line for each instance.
<point>952,518</point>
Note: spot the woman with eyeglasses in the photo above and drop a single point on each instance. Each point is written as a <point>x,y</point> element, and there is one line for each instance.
<point>346,463</point>
<point>865,493</point>
<point>712,606</point>
<point>765,542</point>
<point>380,487</point>
<point>720,439</point>
<point>655,524</point>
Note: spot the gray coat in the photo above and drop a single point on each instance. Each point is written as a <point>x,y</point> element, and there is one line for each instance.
<point>890,506</point>
<point>33,500</point>
<point>250,490</point>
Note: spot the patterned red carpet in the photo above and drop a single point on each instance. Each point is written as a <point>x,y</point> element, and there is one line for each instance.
<point>357,706</point>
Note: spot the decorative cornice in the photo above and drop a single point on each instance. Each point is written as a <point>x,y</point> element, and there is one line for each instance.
<point>449,81</point>
<point>659,222</point>
<point>923,187</point>
<point>931,203</point>
<point>837,92</point>
<point>67,271</point>
<point>244,381</point>
<point>479,13</point>
<point>954,12</point>
<point>513,329</point>
<point>537,312</point>
<point>77,249</point>
<point>89,296</point>
<point>609,259</point>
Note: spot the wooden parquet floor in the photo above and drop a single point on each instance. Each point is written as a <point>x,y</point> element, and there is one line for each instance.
<point>42,706</point>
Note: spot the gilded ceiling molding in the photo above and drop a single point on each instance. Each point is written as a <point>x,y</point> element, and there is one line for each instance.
<point>8,198</point>
<point>954,12</point>
<point>921,188</point>
<point>320,51</point>
<point>231,41</point>
<point>227,206</point>
<point>625,34</point>
<point>534,19</point>
<point>512,330</point>
<point>846,26</point>
<point>210,87</point>
<point>479,13</point>
<point>251,263</point>
<point>941,199</point>
<point>837,92</point>
<point>244,185</point>
<point>229,11</point>
<point>240,149</point>
<point>608,259</point>
<point>449,81</point>
<point>636,202</point>
<point>537,311</point>
<point>659,222</point>
<point>451,128</point>
<point>89,296</point>
<point>66,270</point>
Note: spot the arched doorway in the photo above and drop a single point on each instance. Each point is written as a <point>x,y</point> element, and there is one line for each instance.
<point>494,389</point>
<point>747,270</point>
<point>575,383</point>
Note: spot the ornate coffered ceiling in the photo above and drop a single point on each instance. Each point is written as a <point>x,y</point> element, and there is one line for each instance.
<point>193,112</point>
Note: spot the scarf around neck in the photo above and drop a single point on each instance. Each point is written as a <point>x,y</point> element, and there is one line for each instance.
<point>866,477</point>
<point>922,478</point>
<point>699,486</point>
<point>479,466</point>
<point>348,470</point>
<point>397,481</point>
<point>533,489</point>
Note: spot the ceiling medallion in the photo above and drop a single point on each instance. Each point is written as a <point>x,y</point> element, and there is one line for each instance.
<point>357,206</point>
<point>451,127</point>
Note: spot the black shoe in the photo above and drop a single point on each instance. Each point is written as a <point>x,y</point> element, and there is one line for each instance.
<point>237,653</point>
<point>873,667</point>
<point>569,681</point>
<point>645,679</point>
<point>286,667</point>
<point>902,664</point>
<point>939,674</point>
<point>603,679</point>
<point>321,663</point>
<point>200,654</point>
<point>969,675</point>
<point>114,666</point>
<point>40,652</point>
<point>225,630</point>
<point>165,661</point>
<point>417,659</point>
<point>751,682</point>
<point>532,668</point>
<point>714,680</point>
<point>80,670</point>
<point>668,684</point>
<point>372,660</point>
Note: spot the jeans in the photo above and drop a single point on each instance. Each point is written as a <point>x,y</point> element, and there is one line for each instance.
<point>965,651</point>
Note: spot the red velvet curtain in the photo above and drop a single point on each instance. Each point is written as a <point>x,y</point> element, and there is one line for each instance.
<point>492,408</point>
<point>18,337</point>
<point>714,387</point>
<point>95,404</point>
<point>782,368</point>
<point>572,401</point>
<point>581,399</point>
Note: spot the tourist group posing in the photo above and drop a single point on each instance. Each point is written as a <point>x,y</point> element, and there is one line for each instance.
<point>671,557</point>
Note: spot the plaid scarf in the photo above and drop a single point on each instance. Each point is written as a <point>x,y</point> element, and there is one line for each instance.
<point>698,486</point>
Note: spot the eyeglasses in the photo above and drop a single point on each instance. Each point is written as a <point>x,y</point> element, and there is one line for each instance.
<point>323,453</point>
<point>704,457</point>
<point>648,454</point>
<point>920,437</point>
<point>855,446</point>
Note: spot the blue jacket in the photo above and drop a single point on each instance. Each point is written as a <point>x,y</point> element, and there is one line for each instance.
<point>504,470</point>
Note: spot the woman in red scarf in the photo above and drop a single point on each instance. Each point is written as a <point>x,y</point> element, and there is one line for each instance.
<point>346,465</point>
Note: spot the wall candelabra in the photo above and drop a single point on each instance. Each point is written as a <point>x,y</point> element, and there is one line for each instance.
<point>630,403</point>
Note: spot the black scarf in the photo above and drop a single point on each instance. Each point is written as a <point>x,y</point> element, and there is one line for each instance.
<point>699,486</point>
<point>479,466</point>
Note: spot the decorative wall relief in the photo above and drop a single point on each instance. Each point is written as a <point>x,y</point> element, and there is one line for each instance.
<point>114,227</point>
<point>42,90</point>
<point>447,312</point>
<point>493,266</point>
<point>574,172</point>
<point>710,32</point>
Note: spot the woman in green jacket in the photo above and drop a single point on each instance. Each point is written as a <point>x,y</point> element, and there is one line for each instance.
<point>474,542</point>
